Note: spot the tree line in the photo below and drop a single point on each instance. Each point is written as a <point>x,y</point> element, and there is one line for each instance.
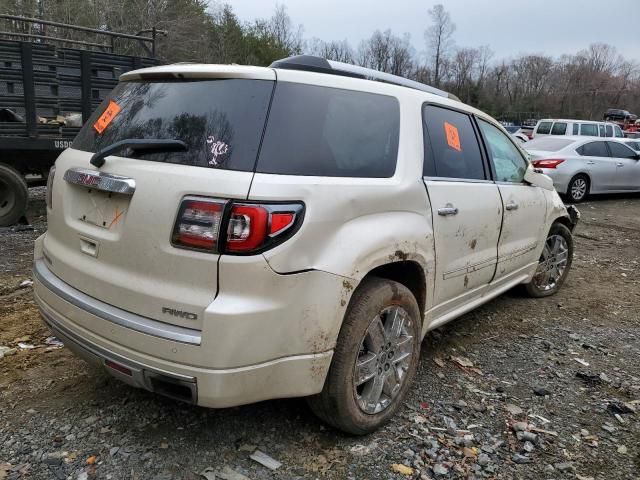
<point>576,85</point>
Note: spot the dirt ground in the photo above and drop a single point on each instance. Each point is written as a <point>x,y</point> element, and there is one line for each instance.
<point>566,369</point>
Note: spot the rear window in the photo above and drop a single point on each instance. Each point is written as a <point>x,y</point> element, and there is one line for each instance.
<point>589,130</point>
<point>548,144</point>
<point>330,132</point>
<point>544,128</point>
<point>221,121</point>
<point>559,129</point>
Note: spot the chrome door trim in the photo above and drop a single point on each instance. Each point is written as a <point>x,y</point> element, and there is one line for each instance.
<point>113,314</point>
<point>107,182</point>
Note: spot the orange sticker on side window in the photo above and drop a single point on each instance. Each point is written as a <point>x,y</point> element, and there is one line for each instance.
<point>105,119</point>
<point>453,138</point>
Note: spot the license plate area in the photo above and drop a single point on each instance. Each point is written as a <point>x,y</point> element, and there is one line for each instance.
<point>106,210</point>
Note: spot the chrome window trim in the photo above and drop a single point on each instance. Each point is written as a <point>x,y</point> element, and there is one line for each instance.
<point>113,314</point>
<point>106,182</point>
<point>454,179</point>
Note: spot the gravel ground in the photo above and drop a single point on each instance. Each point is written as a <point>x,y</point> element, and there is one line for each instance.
<point>518,389</point>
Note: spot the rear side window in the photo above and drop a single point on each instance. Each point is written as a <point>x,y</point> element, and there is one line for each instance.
<point>330,132</point>
<point>601,129</point>
<point>575,129</point>
<point>589,130</point>
<point>620,151</point>
<point>559,128</point>
<point>451,148</point>
<point>544,128</point>
<point>221,121</point>
<point>593,149</point>
<point>609,131</point>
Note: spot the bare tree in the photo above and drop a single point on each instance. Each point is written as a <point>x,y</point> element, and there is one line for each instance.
<point>284,32</point>
<point>340,51</point>
<point>439,39</point>
<point>386,52</point>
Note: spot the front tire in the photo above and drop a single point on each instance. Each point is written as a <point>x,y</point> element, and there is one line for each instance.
<point>375,358</point>
<point>14,195</point>
<point>578,188</point>
<point>554,264</point>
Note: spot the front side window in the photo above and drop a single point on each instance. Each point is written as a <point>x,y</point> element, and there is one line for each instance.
<point>509,164</point>
<point>589,130</point>
<point>330,132</point>
<point>451,148</point>
<point>620,151</point>
<point>544,128</point>
<point>593,149</point>
<point>221,121</point>
<point>559,128</point>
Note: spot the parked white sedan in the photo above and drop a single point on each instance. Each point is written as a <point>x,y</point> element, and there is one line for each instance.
<point>580,166</point>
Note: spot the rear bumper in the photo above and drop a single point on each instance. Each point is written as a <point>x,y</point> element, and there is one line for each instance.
<point>182,364</point>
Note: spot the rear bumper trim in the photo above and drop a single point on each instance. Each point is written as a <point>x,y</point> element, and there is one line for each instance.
<point>111,313</point>
<point>141,376</point>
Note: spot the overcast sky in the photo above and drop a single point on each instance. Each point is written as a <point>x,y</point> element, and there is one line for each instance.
<point>509,27</point>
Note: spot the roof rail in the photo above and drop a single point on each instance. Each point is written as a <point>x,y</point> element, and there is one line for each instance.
<point>311,63</point>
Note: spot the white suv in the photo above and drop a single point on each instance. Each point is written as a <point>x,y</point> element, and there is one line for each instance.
<point>227,234</point>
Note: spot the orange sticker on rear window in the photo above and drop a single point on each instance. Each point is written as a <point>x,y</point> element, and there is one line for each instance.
<point>108,115</point>
<point>453,139</point>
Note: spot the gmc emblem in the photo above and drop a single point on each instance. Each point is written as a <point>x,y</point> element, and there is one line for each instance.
<point>179,313</point>
<point>88,180</point>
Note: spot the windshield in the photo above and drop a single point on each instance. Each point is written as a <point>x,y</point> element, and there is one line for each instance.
<point>221,121</point>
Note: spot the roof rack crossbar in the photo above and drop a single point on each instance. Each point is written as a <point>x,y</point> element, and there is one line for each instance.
<point>321,65</point>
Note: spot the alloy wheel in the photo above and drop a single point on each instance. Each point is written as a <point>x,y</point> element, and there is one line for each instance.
<point>578,189</point>
<point>553,263</point>
<point>383,360</point>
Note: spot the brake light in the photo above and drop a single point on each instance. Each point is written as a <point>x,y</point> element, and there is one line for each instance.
<point>198,223</point>
<point>547,163</point>
<point>247,227</point>
<point>222,226</point>
<point>49,197</point>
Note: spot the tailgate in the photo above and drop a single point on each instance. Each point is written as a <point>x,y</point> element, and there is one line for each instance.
<point>117,247</point>
<point>110,228</point>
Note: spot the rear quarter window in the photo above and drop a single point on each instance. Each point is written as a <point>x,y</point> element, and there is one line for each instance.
<point>330,132</point>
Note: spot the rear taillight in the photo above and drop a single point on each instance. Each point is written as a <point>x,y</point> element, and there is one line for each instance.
<point>222,226</point>
<point>198,223</point>
<point>547,163</point>
<point>49,197</point>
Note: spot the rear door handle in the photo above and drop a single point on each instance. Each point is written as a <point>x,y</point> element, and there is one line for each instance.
<point>448,209</point>
<point>511,206</point>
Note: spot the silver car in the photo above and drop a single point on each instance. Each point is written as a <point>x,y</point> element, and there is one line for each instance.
<point>581,166</point>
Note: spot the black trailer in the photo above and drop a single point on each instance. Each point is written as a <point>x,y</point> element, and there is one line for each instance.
<point>47,92</point>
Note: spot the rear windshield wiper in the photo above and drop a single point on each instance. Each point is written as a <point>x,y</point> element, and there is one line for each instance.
<point>139,145</point>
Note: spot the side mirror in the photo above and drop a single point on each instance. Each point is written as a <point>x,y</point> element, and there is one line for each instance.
<point>537,179</point>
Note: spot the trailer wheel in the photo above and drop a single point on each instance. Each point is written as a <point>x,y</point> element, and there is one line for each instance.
<point>14,195</point>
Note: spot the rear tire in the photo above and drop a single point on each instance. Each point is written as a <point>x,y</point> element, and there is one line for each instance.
<point>578,188</point>
<point>14,195</point>
<point>554,264</point>
<point>372,367</point>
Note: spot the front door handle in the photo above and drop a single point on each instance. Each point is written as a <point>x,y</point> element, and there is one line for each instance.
<point>591,163</point>
<point>448,209</point>
<point>620,164</point>
<point>511,206</point>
